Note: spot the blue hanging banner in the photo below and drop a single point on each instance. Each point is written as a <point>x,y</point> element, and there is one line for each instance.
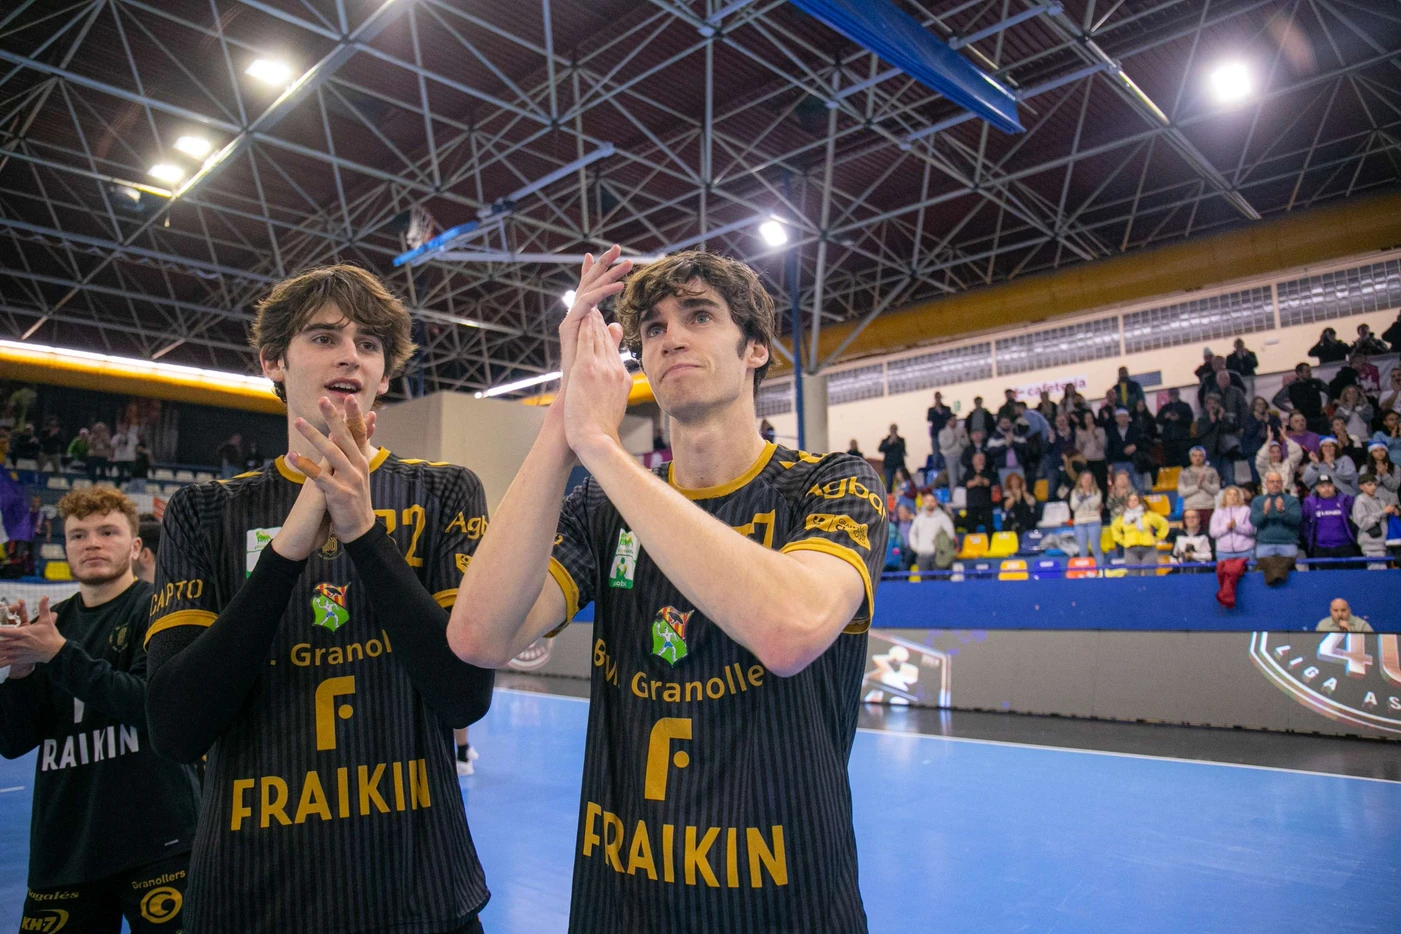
<point>898,38</point>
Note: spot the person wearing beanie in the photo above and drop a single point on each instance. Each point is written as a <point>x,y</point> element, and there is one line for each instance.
<point>1280,453</point>
<point>1330,461</point>
<point>1371,513</point>
<point>1327,528</point>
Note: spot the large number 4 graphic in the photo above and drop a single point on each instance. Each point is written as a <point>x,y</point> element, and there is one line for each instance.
<point>1350,649</point>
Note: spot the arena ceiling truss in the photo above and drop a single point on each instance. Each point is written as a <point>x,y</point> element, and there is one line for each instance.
<point>678,121</point>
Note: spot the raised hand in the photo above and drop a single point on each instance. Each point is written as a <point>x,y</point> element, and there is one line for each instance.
<point>308,526</point>
<point>598,279</point>
<point>346,485</point>
<point>30,643</point>
<point>594,409</point>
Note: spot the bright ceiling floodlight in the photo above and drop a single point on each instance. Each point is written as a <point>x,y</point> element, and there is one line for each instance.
<point>270,72</point>
<point>569,299</point>
<point>165,172</point>
<point>1231,83</point>
<point>774,233</point>
<point>196,147</point>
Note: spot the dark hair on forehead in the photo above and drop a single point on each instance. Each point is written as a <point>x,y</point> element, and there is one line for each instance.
<point>360,297</point>
<point>751,307</point>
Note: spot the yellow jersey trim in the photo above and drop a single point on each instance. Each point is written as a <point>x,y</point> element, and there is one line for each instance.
<point>419,460</point>
<point>571,593</point>
<point>859,623</point>
<point>241,476</point>
<point>446,598</point>
<point>180,618</point>
<point>296,476</point>
<point>724,489</point>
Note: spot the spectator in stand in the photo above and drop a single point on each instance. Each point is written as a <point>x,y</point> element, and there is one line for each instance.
<point>24,444</point>
<point>1175,420</point>
<point>1210,382</point>
<point>1063,460</point>
<point>1020,511</point>
<point>1372,511</point>
<point>1347,444</point>
<point>1067,405</point>
<point>1048,409</point>
<point>1198,484</point>
<point>1104,418</point>
<point>854,449</point>
<point>140,470</point>
<point>1367,342</point>
<point>1086,505</point>
<point>1191,544</point>
<point>1203,371</point>
<point>904,516</point>
<point>1007,450</point>
<point>1260,426</point>
<point>1300,433</point>
<point>978,485</point>
<point>1392,335</point>
<point>1380,465</point>
<point>1327,527</point>
<point>1230,526</point>
<point>1330,462</point>
<point>1241,359</point>
<point>1233,402</point>
<point>124,443</point>
<point>23,400</point>
<point>1038,439</point>
<point>1137,531</point>
<point>256,461</point>
<point>925,531</point>
<point>1369,378</point>
<point>1118,497</point>
<point>1329,349</point>
<point>1124,442</point>
<point>980,419</point>
<point>1390,400</point>
<point>1214,436</point>
<point>1093,445</point>
<point>51,447</point>
<point>904,490</point>
<point>1143,420</point>
<point>1283,454</point>
<point>1355,411</point>
<point>1276,517</point>
<point>892,448</point>
<point>953,439</point>
<point>1390,434</point>
<point>938,416</point>
<point>230,456</point>
<point>78,447</point>
<point>1009,405</point>
<point>1304,394</point>
<point>1126,391</point>
<point>144,566</point>
<point>99,451</point>
<point>977,441</point>
<point>1340,619</point>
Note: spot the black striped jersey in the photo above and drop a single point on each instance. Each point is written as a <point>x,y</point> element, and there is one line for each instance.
<point>715,793</point>
<point>331,803</point>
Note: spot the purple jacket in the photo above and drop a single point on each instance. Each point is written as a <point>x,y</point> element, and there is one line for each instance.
<point>1327,522</point>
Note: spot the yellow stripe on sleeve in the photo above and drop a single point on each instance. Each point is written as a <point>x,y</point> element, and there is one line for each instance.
<point>860,623</point>
<point>180,618</point>
<point>570,590</point>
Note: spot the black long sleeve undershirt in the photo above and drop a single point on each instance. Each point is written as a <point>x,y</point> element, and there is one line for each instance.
<point>21,714</point>
<point>459,693</point>
<point>94,681</point>
<point>200,678</point>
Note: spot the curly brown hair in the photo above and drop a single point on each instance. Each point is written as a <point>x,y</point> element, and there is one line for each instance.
<point>360,296</point>
<point>750,305</point>
<point>98,500</point>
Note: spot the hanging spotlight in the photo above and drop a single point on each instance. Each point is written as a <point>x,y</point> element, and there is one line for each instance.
<point>774,233</point>
<point>165,172</point>
<point>1232,83</point>
<point>196,147</point>
<point>270,72</point>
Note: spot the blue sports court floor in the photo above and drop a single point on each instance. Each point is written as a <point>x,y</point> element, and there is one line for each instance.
<point>965,835</point>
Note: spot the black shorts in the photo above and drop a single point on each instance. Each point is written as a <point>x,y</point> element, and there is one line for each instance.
<point>149,897</point>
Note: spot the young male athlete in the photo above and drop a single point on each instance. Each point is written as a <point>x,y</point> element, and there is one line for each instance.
<point>311,663</point>
<point>113,822</point>
<point>732,591</point>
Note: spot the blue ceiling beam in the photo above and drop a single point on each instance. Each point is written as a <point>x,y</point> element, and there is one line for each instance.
<point>898,38</point>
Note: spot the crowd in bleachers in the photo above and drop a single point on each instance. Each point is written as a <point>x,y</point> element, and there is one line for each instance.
<point>1215,475</point>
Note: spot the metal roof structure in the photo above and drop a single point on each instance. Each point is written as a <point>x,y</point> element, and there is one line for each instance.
<point>409,117</point>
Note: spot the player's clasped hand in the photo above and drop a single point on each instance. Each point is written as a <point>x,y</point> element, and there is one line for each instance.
<point>595,406</point>
<point>30,643</point>
<point>308,526</point>
<point>346,484</point>
<point>598,279</point>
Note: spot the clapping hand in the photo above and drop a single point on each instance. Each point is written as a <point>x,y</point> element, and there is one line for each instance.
<point>598,279</point>
<point>346,485</point>
<point>595,408</point>
<point>308,526</point>
<point>30,643</point>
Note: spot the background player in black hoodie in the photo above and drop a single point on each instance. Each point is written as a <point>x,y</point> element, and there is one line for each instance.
<point>113,822</point>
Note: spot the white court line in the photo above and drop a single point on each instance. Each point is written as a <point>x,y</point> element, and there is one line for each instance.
<point>15,788</point>
<point>1071,749</point>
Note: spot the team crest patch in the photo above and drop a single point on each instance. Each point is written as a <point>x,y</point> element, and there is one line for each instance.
<point>328,601</point>
<point>462,561</point>
<point>669,634</point>
<point>258,539</point>
<point>858,532</point>
<point>624,561</point>
<point>332,549</point>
